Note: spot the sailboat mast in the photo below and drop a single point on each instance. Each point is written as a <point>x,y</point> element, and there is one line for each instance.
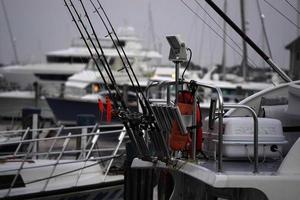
<point>12,39</point>
<point>223,77</point>
<point>262,21</point>
<point>245,51</point>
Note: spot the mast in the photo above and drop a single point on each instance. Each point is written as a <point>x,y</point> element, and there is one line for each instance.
<point>245,52</point>
<point>262,21</point>
<point>224,45</point>
<point>12,38</point>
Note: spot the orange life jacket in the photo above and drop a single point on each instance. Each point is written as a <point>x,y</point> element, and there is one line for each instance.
<point>179,141</point>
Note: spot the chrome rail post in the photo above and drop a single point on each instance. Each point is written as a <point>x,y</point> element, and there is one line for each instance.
<point>255,139</point>
<point>177,66</point>
<point>94,141</point>
<point>121,138</point>
<point>21,142</point>
<point>67,140</point>
<point>29,149</point>
<point>220,136</point>
<point>54,141</point>
<point>35,134</point>
<point>194,130</point>
<point>94,130</point>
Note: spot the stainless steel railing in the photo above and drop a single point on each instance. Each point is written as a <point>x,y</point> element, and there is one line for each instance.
<point>60,145</point>
<point>220,112</point>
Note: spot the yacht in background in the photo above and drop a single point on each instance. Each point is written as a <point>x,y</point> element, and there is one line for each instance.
<point>83,89</point>
<point>69,73</point>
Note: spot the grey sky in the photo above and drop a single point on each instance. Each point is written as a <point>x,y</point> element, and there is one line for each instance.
<point>44,25</point>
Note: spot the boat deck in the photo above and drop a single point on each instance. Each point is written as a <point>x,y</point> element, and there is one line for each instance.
<point>241,166</point>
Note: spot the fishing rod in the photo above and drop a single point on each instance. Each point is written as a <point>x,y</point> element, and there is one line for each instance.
<point>141,148</point>
<point>106,67</point>
<point>122,49</point>
<point>129,120</point>
<point>249,41</point>
<point>162,145</point>
<point>121,57</point>
<point>134,120</point>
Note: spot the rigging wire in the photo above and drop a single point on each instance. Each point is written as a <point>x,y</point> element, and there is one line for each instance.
<point>282,14</point>
<point>230,38</point>
<point>291,5</point>
<point>220,36</point>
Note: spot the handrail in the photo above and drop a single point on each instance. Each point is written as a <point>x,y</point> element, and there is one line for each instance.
<point>60,137</point>
<point>87,152</point>
<point>255,139</point>
<point>57,128</point>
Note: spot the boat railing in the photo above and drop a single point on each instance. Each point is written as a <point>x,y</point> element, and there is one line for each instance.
<point>255,135</point>
<point>58,147</point>
<point>219,112</point>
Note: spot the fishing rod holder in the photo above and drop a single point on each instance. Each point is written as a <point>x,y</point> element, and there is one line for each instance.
<point>167,103</point>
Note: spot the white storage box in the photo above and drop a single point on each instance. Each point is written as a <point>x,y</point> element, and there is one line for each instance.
<point>238,137</point>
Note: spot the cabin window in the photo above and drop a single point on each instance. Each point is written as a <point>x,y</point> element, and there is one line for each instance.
<point>67,59</point>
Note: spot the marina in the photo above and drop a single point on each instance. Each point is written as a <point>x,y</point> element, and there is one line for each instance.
<point>108,118</point>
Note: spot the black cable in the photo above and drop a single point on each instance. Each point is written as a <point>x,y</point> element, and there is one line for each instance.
<point>282,14</point>
<point>188,63</point>
<point>220,36</point>
<point>292,6</point>
<point>230,38</point>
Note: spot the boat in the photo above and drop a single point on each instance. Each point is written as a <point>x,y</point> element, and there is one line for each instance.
<point>58,67</point>
<point>83,89</point>
<point>86,105</point>
<point>250,152</point>
<point>24,86</point>
<point>62,163</point>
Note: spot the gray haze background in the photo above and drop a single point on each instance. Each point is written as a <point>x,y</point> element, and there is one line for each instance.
<point>45,25</point>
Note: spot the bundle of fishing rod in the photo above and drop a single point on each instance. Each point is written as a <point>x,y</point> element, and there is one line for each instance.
<point>137,124</point>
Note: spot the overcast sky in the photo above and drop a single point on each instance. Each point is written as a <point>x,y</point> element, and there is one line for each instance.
<point>45,25</point>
